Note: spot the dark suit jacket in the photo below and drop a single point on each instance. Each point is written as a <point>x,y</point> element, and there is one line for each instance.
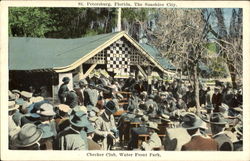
<point>71,99</point>
<point>216,101</point>
<point>224,142</point>
<point>200,143</point>
<point>63,90</point>
<point>80,96</point>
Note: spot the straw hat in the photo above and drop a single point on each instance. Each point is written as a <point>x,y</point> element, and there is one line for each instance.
<point>36,99</point>
<point>46,109</point>
<point>26,94</point>
<point>153,125</point>
<point>139,112</point>
<point>92,116</point>
<point>64,108</point>
<point>13,105</point>
<point>81,108</point>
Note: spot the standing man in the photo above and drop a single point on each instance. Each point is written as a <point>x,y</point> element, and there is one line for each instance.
<point>80,91</point>
<point>63,90</point>
<point>216,99</point>
<point>105,126</point>
<point>218,124</point>
<point>74,137</point>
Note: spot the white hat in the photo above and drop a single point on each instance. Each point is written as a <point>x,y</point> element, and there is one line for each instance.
<point>46,109</point>
<point>26,94</point>
<point>36,99</point>
<point>64,108</point>
<point>12,105</point>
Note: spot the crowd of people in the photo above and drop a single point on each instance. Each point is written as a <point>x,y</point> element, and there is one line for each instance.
<point>96,115</point>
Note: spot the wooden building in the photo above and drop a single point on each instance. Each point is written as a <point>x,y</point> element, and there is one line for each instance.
<point>44,62</point>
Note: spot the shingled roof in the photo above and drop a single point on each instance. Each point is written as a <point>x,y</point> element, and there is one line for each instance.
<point>62,55</point>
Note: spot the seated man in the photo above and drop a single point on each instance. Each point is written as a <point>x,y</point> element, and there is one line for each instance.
<point>192,124</point>
<point>154,140</point>
<point>135,132</point>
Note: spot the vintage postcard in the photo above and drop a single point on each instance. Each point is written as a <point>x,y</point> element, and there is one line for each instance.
<point>125,80</point>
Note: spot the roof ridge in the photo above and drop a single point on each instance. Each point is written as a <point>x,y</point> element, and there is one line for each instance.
<point>65,38</point>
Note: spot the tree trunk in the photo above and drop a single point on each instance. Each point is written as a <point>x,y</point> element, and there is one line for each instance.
<point>196,89</point>
<point>232,73</point>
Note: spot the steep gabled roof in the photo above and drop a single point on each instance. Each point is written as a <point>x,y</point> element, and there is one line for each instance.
<point>44,53</point>
<point>62,55</point>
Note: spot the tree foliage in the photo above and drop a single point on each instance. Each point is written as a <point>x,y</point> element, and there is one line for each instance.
<point>60,22</point>
<point>30,22</point>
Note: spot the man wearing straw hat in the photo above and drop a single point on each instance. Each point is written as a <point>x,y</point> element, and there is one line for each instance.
<point>192,124</point>
<point>13,128</point>
<point>154,140</point>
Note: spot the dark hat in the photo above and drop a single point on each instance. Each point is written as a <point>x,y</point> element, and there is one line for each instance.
<point>110,105</point>
<point>191,121</point>
<point>217,118</point>
<point>78,118</point>
<point>34,108</point>
<point>131,107</point>
<point>205,117</point>
<point>28,135</point>
<point>66,79</point>
<point>209,106</point>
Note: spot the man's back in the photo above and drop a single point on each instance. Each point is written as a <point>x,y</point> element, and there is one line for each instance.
<point>70,139</point>
<point>224,142</point>
<point>200,143</point>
